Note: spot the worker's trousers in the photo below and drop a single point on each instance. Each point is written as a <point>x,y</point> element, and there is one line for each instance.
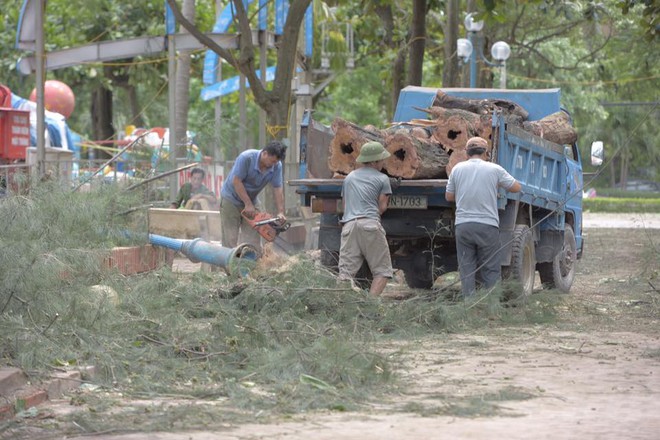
<point>477,248</point>
<point>234,226</point>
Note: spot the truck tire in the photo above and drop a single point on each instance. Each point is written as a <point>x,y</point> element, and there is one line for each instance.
<point>417,280</point>
<point>330,260</point>
<point>523,262</point>
<point>560,273</point>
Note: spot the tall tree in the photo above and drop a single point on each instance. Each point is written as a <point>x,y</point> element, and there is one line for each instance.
<point>417,43</point>
<point>451,71</point>
<point>274,102</point>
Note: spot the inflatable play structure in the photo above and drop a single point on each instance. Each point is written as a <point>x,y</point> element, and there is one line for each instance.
<point>18,130</point>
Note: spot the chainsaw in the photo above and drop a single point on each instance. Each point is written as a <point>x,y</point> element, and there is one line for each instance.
<point>266,225</point>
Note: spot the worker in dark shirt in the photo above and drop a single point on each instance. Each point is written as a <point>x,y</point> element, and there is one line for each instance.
<point>194,194</point>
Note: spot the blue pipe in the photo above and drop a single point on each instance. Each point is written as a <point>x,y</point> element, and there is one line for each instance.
<point>236,261</point>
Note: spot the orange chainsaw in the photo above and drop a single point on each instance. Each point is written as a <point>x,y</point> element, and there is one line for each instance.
<point>266,225</point>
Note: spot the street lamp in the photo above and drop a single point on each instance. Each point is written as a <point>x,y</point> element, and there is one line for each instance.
<point>465,50</point>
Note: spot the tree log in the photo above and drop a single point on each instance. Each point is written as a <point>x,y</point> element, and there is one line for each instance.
<point>556,128</point>
<point>345,146</point>
<point>460,155</point>
<point>414,157</point>
<point>479,106</point>
<point>454,127</point>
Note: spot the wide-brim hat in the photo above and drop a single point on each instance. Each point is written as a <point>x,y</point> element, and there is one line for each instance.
<point>372,152</point>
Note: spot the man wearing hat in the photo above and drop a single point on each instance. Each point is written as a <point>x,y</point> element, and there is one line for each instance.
<point>473,186</point>
<point>366,192</point>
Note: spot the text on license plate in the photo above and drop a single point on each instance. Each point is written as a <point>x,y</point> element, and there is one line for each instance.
<point>408,202</point>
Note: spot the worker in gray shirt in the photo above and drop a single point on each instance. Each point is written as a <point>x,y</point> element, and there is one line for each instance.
<point>366,192</point>
<point>473,186</point>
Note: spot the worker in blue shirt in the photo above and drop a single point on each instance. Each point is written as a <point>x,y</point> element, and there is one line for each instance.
<point>252,171</point>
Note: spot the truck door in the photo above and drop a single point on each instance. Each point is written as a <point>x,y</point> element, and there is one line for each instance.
<point>574,188</point>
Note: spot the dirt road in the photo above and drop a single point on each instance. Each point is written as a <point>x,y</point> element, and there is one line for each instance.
<point>591,372</point>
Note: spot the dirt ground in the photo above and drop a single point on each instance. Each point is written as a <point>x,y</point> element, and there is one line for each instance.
<point>593,372</point>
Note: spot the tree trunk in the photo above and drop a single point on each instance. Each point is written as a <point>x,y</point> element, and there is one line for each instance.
<point>101,110</point>
<point>450,70</point>
<point>133,101</point>
<point>555,128</point>
<point>398,72</point>
<point>417,43</point>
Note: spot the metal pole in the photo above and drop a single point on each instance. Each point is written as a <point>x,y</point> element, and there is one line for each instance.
<point>171,73</point>
<point>41,73</point>
<point>262,67</point>
<point>503,75</point>
<point>473,59</point>
<point>218,154</point>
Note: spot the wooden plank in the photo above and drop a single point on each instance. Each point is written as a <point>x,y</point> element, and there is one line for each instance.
<point>183,223</point>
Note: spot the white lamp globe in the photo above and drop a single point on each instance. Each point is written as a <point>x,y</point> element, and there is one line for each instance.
<point>464,48</point>
<point>471,25</point>
<point>500,51</point>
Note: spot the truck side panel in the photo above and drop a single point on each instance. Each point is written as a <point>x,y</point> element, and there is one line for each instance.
<point>537,164</point>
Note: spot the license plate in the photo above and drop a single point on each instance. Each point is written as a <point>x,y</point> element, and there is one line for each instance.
<point>408,202</point>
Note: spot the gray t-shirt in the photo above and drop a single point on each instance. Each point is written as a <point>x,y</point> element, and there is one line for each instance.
<point>361,190</point>
<point>474,184</point>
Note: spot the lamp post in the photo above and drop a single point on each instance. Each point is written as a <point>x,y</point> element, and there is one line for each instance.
<point>465,49</point>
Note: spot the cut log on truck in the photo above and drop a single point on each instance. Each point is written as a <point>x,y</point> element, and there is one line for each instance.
<point>460,155</point>
<point>479,106</point>
<point>556,128</point>
<point>414,156</point>
<point>453,127</point>
<point>345,146</point>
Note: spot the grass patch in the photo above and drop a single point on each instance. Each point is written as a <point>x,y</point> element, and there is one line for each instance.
<point>622,205</point>
<point>483,405</point>
<point>285,341</point>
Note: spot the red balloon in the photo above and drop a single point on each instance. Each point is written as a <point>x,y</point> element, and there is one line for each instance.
<point>58,97</point>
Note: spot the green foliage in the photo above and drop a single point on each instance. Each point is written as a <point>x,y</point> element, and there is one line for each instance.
<point>284,340</point>
<point>594,51</point>
<point>353,96</point>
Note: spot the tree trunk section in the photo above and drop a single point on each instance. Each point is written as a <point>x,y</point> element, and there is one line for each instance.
<point>453,127</point>
<point>345,146</point>
<point>480,106</point>
<point>555,128</point>
<point>414,157</point>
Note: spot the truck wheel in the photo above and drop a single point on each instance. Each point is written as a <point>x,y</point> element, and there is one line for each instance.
<point>417,280</point>
<point>523,261</point>
<point>330,259</point>
<point>363,277</point>
<point>559,273</point>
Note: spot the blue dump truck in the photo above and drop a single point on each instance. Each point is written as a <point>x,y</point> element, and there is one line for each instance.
<point>540,227</point>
